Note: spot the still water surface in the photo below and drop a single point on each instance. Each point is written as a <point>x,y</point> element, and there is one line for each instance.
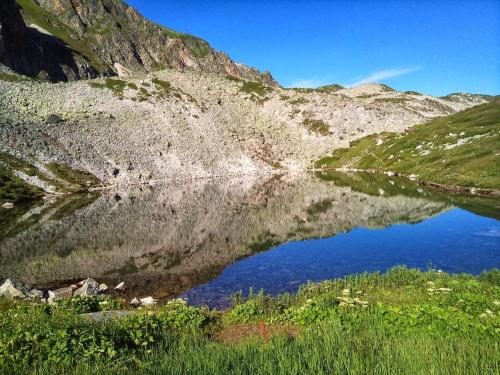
<point>207,239</point>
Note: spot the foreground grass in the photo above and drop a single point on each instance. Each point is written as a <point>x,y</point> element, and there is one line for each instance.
<point>401,322</point>
<point>461,149</point>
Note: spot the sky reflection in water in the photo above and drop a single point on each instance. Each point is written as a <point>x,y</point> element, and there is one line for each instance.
<point>455,241</point>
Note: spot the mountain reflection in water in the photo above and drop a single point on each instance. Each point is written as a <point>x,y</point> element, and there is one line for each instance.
<point>164,240</point>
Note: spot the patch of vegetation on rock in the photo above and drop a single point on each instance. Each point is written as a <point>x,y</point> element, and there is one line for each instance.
<point>299,100</point>
<point>316,126</point>
<point>115,85</point>
<point>10,77</point>
<point>256,90</point>
<point>77,180</point>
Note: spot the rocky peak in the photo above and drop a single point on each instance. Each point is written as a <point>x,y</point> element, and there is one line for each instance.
<point>106,37</point>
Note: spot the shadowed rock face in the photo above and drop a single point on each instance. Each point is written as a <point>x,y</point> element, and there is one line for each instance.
<point>61,40</point>
<point>164,240</point>
<point>28,51</point>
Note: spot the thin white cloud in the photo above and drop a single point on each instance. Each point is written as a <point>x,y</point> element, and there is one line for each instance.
<point>384,74</point>
<point>307,83</point>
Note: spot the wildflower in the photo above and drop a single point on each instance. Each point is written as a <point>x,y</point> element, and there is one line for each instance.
<point>483,316</point>
<point>346,292</point>
<point>445,290</point>
<point>359,292</point>
<point>430,290</point>
<point>496,303</point>
<point>430,283</point>
<point>489,312</point>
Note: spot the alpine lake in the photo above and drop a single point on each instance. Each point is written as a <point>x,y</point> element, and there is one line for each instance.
<point>207,239</point>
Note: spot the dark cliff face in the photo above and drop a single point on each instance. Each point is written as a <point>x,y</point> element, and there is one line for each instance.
<point>74,39</point>
<point>28,51</point>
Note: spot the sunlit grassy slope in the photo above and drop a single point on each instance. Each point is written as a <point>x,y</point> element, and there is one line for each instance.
<point>462,149</point>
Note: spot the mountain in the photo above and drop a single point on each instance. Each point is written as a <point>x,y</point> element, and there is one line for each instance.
<point>460,149</point>
<point>178,110</point>
<point>61,40</point>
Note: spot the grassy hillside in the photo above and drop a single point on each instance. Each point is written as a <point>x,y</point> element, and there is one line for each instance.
<point>462,149</point>
<point>401,322</point>
<point>61,177</point>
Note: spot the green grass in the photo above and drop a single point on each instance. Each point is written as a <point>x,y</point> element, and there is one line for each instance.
<point>461,149</point>
<point>402,322</point>
<point>75,180</point>
<point>15,190</point>
<point>378,184</point>
<point>10,77</point>
<point>316,126</point>
<point>323,89</point>
<point>299,100</point>
<point>251,87</point>
<point>116,85</point>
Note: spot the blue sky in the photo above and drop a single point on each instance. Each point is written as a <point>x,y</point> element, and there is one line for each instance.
<point>435,47</point>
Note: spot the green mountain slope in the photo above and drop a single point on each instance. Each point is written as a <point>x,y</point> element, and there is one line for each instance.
<point>462,149</point>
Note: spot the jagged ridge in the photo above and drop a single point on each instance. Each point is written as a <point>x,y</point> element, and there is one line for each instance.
<point>62,40</point>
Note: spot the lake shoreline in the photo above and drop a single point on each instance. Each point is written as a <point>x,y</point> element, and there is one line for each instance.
<point>443,187</point>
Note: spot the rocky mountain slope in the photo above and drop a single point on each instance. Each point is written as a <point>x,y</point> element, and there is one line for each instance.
<point>62,40</point>
<point>173,124</point>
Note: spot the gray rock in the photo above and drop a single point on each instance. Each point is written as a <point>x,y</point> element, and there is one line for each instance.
<point>135,302</point>
<point>10,289</point>
<point>8,205</point>
<point>35,294</point>
<point>54,119</point>
<point>61,293</point>
<point>89,287</point>
<point>103,288</point>
<point>120,287</point>
<point>149,301</point>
